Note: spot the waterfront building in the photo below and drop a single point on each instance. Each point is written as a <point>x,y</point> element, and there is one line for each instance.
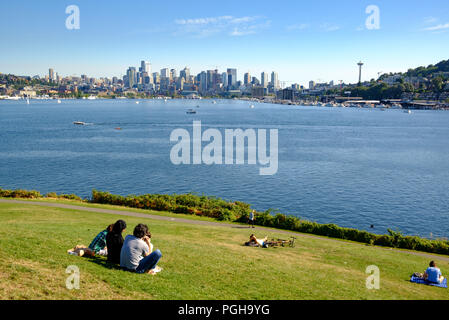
<point>311,84</point>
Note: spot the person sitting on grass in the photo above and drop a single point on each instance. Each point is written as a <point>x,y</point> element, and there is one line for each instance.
<point>260,242</point>
<point>433,274</point>
<point>98,245</point>
<point>114,241</point>
<point>137,255</point>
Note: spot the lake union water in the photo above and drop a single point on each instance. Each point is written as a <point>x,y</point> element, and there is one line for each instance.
<point>352,167</point>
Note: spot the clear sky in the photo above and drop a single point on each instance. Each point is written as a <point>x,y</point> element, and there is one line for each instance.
<point>302,40</point>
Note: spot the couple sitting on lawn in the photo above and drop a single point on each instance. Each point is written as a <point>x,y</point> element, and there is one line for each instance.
<point>135,252</point>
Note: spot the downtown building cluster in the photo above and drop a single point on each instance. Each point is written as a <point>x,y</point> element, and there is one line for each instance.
<point>206,83</point>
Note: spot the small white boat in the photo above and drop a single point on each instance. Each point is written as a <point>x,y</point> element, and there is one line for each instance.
<point>408,111</point>
<point>28,101</point>
<point>137,102</point>
<point>214,102</point>
<point>191,111</point>
<point>59,100</point>
<point>252,106</point>
<point>79,123</point>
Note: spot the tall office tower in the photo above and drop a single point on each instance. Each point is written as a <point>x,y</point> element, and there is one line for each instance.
<point>114,80</point>
<point>275,80</point>
<point>185,73</point>
<point>311,84</point>
<point>156,78</point>
<point>173,74</point>
<point>232,77</point>
<point>145,66</point>
<point>210,79</point>
<point>264,79</point>
<point>165,73</point>
<point>247,79</point>
<point>132,77</point>
<point>216,79</point>
<point>203,82</point>
<point>224,79</point>
<point>51,75</point>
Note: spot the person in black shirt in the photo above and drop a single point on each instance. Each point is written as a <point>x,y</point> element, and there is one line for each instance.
<point>114,241</point>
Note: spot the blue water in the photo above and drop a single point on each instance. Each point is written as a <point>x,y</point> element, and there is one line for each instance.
<point>352,167</point>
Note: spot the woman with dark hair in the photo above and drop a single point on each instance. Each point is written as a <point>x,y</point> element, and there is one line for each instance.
<point>114,241</point>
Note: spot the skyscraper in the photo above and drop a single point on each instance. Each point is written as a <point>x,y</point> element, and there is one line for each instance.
<point>203,82</point>
<point>51,75</point>
<point>185,73</point>
<point>264,79</point>
<point>131,77</point>
<point>247,79</point>
<point>165,73</point>
<point>275,80</point>
<point>224,79</point>
<point>145,66</point>
<point>232,77</point>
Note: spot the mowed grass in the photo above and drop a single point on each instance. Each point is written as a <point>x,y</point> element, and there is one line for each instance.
<point>199,262</point>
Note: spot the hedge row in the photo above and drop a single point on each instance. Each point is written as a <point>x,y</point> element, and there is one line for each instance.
<point>238,212</point>
<point>178,203</point>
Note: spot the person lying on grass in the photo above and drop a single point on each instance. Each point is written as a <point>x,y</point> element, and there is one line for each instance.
<point>259,242</point>
<point>114,241</point>
<point>137,255</point>
<point>98,245</point>
<point>433,273</point>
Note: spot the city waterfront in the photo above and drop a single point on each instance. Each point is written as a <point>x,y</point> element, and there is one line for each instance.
<point>349,166</point>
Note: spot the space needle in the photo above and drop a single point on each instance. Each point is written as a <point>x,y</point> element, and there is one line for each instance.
<point>360,64</point>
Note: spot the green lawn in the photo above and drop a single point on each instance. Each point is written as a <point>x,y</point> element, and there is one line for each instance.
<point>199,263</point>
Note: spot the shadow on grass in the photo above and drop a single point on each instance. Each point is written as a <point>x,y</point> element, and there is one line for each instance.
<point>104,263</point>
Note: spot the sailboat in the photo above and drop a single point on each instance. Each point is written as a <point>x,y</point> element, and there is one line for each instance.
<point>28,101</point>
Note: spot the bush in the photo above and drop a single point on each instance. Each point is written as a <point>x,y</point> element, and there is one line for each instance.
<point>223,210</point>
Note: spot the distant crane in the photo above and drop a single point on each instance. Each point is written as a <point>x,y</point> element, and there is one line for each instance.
<point>341,84</point>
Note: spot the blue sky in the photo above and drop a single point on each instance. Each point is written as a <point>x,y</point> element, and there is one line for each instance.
<point>301,40</point>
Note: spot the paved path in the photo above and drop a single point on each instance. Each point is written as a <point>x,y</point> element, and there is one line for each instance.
<point>205,223</point>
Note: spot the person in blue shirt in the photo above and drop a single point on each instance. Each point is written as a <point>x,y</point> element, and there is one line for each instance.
<point>433,273</point>
<point>251,219</point>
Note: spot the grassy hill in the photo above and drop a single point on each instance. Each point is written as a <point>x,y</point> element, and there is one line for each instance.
<point>199,261</point>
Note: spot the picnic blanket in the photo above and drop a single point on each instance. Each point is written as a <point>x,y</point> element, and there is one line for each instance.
<point>422,281</point>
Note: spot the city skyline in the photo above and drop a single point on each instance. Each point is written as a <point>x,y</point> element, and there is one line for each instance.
<point>302,42</point>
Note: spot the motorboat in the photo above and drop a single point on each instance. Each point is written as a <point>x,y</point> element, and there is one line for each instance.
<point>191,111</point>
<point>79,123</point>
